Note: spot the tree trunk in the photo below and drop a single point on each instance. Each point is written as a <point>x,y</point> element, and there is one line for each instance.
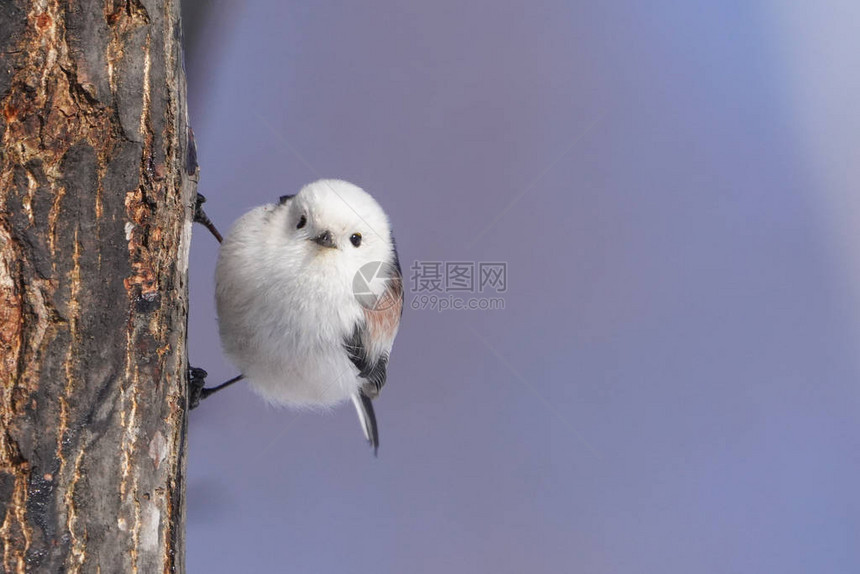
<point>97,178</point>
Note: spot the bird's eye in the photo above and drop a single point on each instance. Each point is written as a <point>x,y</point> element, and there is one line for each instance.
<point>302,221</point>
<point>355,239</point>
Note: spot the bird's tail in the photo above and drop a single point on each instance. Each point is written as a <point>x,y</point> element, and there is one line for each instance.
<point>367,418</point>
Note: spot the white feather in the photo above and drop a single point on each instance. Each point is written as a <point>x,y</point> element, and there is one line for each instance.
<point>286,304</point>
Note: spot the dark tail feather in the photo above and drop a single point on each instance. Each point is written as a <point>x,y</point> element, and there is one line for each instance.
<point>367,418</point>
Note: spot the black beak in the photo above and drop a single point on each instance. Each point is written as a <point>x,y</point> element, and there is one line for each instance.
<point>324,240</point>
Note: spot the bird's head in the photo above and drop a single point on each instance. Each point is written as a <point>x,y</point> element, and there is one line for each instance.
<point>338,226</point>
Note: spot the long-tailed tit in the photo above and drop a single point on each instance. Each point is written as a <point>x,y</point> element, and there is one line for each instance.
<point>309,296</point>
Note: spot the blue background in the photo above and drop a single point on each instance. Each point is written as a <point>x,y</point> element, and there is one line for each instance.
<point>673,383</point>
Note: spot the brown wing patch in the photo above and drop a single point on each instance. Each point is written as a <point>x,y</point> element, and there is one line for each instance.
<point>384,318</point>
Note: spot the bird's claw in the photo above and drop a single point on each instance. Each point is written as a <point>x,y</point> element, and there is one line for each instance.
<point>199,214</point>
<point>203,219</point>
<point>196,382</point>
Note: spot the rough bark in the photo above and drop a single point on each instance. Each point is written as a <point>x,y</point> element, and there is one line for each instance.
<point>97,175</point>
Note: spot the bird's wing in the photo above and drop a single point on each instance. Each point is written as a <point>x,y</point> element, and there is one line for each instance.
<point>369,344</point>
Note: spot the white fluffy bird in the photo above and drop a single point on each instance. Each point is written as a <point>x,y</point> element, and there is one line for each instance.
<point>309,297</point>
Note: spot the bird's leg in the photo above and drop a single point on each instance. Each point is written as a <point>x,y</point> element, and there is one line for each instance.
<point>196,386</point>
<point>201,217</point>
<point>212,390</point>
